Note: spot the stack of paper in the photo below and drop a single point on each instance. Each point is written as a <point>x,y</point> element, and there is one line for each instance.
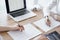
<point>42,25</point>
<point>29,32</point>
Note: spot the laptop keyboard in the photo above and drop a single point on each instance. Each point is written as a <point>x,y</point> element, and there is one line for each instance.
<point>19,13</point>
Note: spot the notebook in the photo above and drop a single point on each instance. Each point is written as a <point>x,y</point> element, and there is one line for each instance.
<point>29,32</point>
<point>42,25</point>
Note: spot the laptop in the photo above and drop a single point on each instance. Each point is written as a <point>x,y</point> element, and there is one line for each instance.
<point>17,10</point>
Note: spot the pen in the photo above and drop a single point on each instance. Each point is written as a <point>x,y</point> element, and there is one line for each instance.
<point>18,24</point>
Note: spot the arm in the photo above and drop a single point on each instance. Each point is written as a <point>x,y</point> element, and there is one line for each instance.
<point>2,29</point>
<point>55,16</point>
<point>7,28</point>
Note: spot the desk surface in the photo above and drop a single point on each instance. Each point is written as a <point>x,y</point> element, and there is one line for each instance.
<point>30,20</point>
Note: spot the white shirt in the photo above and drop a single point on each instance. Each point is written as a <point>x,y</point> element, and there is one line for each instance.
<point>59,7</point>
<point>55,6</point>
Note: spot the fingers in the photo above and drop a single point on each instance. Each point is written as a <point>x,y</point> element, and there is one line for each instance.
<point>48,23</point>
<point>21,28</point>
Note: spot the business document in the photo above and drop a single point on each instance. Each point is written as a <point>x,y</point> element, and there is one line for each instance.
<point>29,32</point>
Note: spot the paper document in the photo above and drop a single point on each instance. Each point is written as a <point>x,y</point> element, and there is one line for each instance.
<point>42,25</point>
<point>29,32</point>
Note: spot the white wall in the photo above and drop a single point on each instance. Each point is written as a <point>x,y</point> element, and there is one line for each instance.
<point>2,5</point>
<point>3,14</point>
<point>30,4</point>
<point>45,3</point>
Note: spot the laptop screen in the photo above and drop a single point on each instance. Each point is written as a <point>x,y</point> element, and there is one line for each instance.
<point>15,5</point>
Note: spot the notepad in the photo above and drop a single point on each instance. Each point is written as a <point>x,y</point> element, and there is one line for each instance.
<point>29,32</point>
<point>1,38</point>
<point>42,25</point>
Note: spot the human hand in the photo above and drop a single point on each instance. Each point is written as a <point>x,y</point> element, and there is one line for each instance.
<point>48,22</point>
<point>19,27</point>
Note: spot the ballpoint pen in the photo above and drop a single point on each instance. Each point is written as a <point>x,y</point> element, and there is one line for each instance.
<point>20,26</point>
<point>18,23</point>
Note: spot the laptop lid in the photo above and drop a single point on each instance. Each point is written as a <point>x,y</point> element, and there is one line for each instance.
<point>15,5</point>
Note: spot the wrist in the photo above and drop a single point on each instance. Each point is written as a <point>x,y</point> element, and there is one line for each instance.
<point>13,28</point>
